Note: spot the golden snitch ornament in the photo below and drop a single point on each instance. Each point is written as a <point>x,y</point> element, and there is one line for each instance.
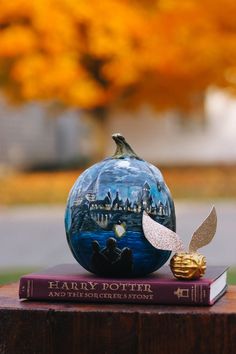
<point>184,265</point>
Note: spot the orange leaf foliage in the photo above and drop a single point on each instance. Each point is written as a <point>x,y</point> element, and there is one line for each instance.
<point>96,53</point>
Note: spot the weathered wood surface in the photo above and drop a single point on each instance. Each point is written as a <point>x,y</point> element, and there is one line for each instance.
<point>44,327</point>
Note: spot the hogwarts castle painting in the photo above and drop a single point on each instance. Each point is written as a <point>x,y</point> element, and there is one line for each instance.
<point>104,217</point>
<point>106,212</point>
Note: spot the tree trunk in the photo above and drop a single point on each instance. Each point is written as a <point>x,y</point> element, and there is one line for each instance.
<point>196,117</point>
<point>97,124</point>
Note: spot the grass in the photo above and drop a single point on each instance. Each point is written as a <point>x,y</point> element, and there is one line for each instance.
<point>232,276</point>
<point>53,187</point>
<point>10,276</point>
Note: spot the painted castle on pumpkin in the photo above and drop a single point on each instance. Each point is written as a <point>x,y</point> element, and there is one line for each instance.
<point>111,210</point>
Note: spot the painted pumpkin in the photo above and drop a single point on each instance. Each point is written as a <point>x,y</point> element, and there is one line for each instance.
<point>103,218</point>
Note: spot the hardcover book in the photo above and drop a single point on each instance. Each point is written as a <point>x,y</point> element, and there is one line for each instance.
<point>65,283</point>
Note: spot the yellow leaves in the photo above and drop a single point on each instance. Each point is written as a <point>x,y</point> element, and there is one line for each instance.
<point>68,31</point>
<point>121,72</point>
<point>84,92</point>
<point>15,9</point>
<point>44,76</point>
<point>16,40</point>
<point>55,30</point>
<point>61,77</point>
<point>166,51</point>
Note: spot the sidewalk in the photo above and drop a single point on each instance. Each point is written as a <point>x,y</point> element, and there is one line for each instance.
<point>35,236</point>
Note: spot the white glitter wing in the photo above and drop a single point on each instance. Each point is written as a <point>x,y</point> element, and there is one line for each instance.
<point>204,233</point>
<point>160,236</point>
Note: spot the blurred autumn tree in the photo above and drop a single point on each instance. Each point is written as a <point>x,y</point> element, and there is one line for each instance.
<point>99,54</point>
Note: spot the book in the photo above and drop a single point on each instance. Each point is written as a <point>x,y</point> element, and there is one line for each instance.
<point>65,283</point>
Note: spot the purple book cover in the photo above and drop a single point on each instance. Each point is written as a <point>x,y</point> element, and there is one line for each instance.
<point>66,283</point>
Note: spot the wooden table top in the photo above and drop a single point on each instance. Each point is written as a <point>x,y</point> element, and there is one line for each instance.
<point>9,300</point>
<point>28,327</point>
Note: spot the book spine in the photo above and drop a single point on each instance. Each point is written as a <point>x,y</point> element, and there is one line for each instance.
<point>115,291</point>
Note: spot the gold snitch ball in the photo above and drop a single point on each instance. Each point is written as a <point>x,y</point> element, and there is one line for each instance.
<point>188,266</point>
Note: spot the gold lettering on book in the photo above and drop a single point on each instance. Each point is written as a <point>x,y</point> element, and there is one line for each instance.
<point>127,287</point>
<point>28,288</point>
<point>181,293</point>
<point>195,293</point>
<point>201,295</point>
<point>72,285</point>
<point>95,295</point>
<point>53,284</point>
<point>57,294</point>
<point>88,286</point>
<point>104,286</point>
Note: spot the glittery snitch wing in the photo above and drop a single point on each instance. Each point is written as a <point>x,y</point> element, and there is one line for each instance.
<point>160,236</point>
<point>204,233</point>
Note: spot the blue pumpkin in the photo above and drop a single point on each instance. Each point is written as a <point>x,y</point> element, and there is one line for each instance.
<point>103,218</point>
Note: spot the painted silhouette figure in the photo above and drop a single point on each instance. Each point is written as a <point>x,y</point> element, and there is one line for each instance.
<point>99,261</point>
<point>111,252</point>
<point>123,265</point>
<point>111,260</point>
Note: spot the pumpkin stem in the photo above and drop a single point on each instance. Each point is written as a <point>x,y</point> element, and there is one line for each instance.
<point>122,147</point>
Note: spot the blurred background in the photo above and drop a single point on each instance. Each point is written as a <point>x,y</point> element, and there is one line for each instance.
<point>161,72</point>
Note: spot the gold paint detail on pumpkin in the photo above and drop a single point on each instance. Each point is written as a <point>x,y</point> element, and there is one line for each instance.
<point>188,266</point>
<point>160,236</point>
<point>204,233</point>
